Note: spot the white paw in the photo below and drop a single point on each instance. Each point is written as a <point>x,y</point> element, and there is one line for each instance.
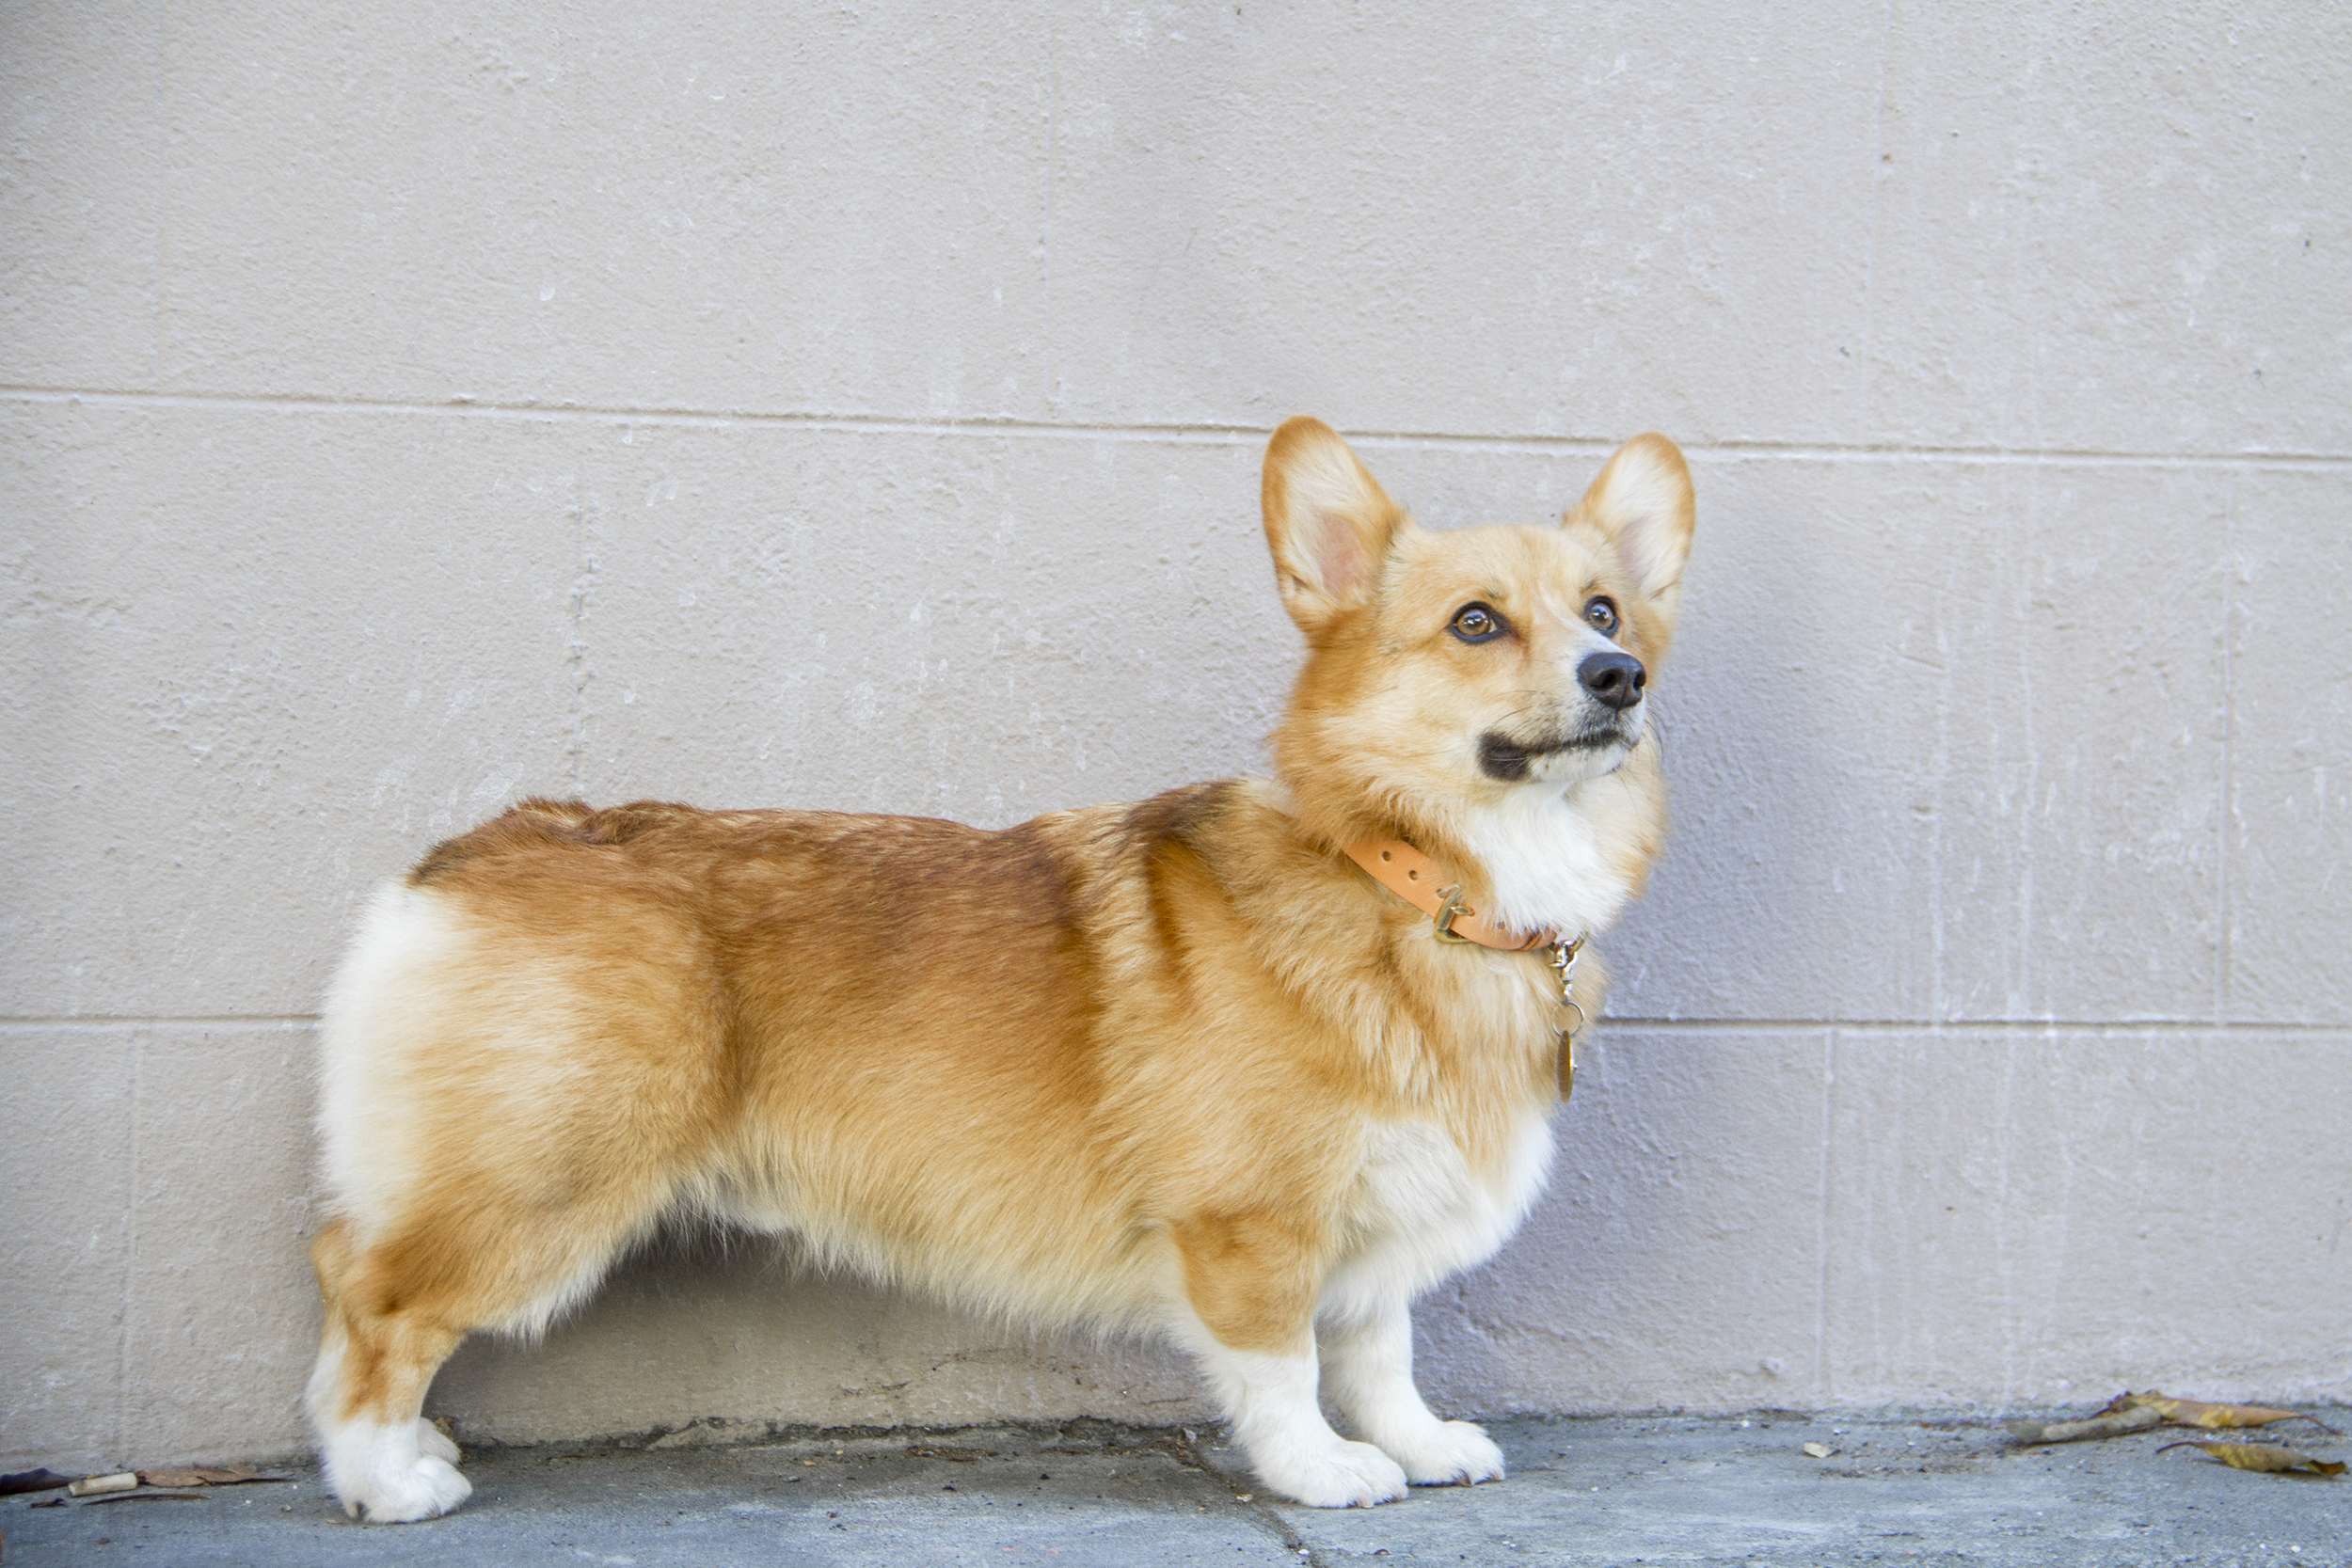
<point>1339,1475</point>
<point>431,1442</point>
<point>1446,1453</point>
<point>424,1488</point>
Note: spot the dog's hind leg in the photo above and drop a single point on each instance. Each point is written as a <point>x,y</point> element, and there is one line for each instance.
<point>367,1389</point>
<point>399,1301</point>
<point>330,1256</point>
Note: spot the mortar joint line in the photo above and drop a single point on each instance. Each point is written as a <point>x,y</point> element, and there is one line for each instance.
<point>160,165</point>
<point>1820,1219</point>
<point>2225,941</point>
<point>583,578</point>
<point>130,1250</point>
<point>1878,183</point>
<point>1200,432</point>
<point>1046,244</point>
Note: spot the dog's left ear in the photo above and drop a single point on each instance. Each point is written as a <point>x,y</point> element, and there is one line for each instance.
<point>1643,503</point>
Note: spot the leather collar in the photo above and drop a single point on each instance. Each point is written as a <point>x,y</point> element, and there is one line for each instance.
<point>1415,878</point>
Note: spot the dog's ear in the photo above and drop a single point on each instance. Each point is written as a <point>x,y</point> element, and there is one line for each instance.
<point>1327,523</point>
<point>1643,503</point>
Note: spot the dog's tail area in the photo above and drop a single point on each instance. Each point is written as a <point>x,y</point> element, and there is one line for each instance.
<point>486,1153</point>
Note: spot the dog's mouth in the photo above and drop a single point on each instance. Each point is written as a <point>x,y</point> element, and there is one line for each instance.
<point>1516,761</point>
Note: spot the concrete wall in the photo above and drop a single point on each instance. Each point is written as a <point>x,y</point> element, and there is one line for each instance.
<point>409,407</point>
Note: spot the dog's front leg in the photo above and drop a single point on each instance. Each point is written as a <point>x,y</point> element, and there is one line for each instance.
<point>1251,1294</point>
<point>1371,1372</point>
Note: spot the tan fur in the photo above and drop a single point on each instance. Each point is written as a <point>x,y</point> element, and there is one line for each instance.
<point>1122,1066</point>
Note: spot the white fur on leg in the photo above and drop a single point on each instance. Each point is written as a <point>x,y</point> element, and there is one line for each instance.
<point>430,1441</point>
<point>1271,1401</point>
<point>379,1472</point>
<point>1372,1379</point>
<point>389,1472</point>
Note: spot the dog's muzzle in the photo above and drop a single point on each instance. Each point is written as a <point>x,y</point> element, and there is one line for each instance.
<point>1512,761</point>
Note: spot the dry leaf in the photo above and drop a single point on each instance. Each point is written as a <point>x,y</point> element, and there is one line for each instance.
<point>2197,1413</point>
<point>32,1481</point>
<point>2268,1457</point>
<point>207,1475</point>
<point>2110,1422</point>
<point>1819,1451</point>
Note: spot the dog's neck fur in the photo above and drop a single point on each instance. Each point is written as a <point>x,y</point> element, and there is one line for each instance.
<point>1540,852</point>
<point>1537,857</point>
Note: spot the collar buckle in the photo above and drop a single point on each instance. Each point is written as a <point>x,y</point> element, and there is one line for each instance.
<point>1449,906</point>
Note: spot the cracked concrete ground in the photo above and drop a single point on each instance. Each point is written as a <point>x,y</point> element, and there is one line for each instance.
<point>1598,1490</point>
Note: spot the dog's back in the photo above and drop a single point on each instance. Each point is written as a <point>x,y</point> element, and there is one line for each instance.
<point>866,1031</point>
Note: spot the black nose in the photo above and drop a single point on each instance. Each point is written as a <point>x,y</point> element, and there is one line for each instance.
<point>1614,677</point>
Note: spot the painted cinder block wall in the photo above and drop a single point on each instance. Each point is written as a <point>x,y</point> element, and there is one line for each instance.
<point>408,408</point>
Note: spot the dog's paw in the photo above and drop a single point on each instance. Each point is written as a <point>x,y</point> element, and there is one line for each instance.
<point>1339,1475</point>
<point>1446,1453</point>
<point>424,1488</point>
<point>430,1442</point>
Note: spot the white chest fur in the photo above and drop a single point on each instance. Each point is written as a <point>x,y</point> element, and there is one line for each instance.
<point>1421,1211</point>
<point>1542,848</point>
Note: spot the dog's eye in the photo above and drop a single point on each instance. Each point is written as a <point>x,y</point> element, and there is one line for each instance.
<point>1475,623</point>
<point>1601,616</point>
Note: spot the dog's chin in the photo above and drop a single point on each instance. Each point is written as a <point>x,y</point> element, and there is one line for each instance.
<point>1589,755</point>
<point>1591,761</point>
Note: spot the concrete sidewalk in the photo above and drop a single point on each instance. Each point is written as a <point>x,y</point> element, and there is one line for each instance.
<point>1614,1490</point>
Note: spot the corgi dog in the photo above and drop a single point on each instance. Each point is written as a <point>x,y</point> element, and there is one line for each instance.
<point>1249,1064</point>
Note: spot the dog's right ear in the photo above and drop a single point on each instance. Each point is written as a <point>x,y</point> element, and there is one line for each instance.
<point>1327,523</point>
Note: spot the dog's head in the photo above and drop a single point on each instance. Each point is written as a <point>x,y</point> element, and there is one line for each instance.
<point>1456,669</point>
